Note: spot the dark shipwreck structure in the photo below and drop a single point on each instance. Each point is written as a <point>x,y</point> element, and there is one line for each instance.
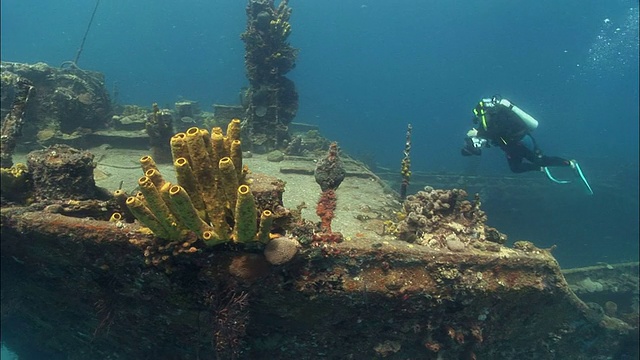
<point>80,279</point>
<point>271,100</point>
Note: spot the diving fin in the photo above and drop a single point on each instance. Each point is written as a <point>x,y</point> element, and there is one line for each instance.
<point>576,167</point>
<point>546,171</point>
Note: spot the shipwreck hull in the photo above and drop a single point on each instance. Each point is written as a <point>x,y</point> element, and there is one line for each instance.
<point>78,288</point>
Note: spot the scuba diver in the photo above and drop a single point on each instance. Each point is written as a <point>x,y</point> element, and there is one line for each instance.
<point>501,123</point>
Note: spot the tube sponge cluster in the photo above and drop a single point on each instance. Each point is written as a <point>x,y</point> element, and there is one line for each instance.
<point>211,198</point>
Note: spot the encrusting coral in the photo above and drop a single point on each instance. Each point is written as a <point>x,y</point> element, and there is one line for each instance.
<point>271,99</point>
<point>405,166</point>
<point>329,174</point>
<point>281,250</point>
<point>12,123</point>
<point>212,198</point>
<point>14,182</point>
<point>159,128</point>
<point>445,219</point>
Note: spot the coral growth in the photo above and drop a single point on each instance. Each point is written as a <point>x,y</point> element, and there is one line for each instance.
<point>211,198</point>
<point>61,172</point>
<point>326,209</point>
<point>44,104</point>
<point>159,127</point>
<point>229,316</point>
<point>13,121</point>
<point>281,250</point>
<point>310,143</point>
<point>329,174</point>
<point>444,219</point>
<point>15,184</point>
<point>405,165</point>
<point>272,100</point>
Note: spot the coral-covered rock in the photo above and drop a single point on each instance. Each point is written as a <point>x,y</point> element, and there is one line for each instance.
<point>326,208</point>
<point>281,250</point>
<point>61,172</point>
<point>64,99</point>
<point>249,267</point>
<point>330,170</point>
<point>445,219</point>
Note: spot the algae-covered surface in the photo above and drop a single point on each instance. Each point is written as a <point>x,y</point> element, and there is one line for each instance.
<point>79,287</point>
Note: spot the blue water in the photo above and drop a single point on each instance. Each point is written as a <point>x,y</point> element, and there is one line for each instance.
<point>371,67</point>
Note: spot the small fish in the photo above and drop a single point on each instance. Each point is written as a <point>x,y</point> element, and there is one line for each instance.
<point>187,120</point>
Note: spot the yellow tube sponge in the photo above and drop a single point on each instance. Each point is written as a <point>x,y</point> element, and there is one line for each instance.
<point>146,217</point>
<point>164,194</point>
<point>228,182</point>
<point>218,220</point>
<point>264,229</point>
<point>210,198</point>
<point>120,196</point>
<point>233,134</point>
<point>245,227</point>
<point>207,144</point>
<point>183,209</point>
<point>186,179</point>
<point>156,204</point>
<point>211,238</point>
<point>233,130</point>
<point>179,147</point>
<point>121,199</point>
<point>217,142</point>
<point>147,163</point>
<point>115,217</point>
<point>235,153</point>
<point>156,177</point>
<point>201,166</point>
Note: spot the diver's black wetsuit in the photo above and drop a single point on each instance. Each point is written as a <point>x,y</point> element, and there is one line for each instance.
<point>503,128</point>
<point>516,151</point>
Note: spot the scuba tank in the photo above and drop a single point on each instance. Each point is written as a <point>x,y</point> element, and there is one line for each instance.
<point>528,120</point>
